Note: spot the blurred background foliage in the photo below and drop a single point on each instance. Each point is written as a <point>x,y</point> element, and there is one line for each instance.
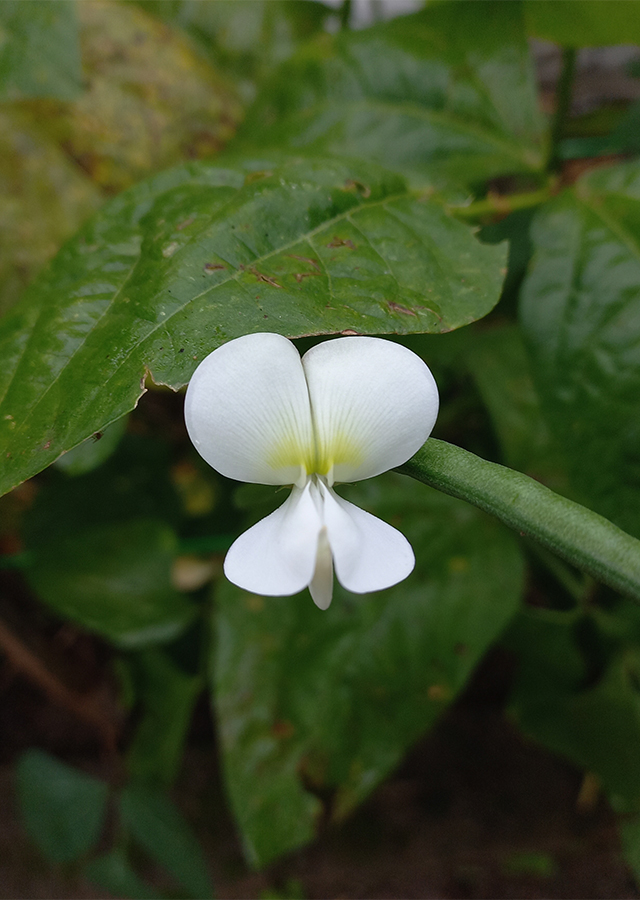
<point>113,605</point>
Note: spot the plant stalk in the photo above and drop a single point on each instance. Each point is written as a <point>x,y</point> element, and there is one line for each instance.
<point>563,104</point>
<point>577,534</point>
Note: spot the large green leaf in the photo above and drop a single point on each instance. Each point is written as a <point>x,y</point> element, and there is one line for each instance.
<point>584,23</point>
<point>39,50</point>
<point>200,254</point>
<point>312,702</point>
<point>444,95</point>
<point>116,580</point>
<point>581,316</point>
<point>500,365</point>
<point>63,808</point>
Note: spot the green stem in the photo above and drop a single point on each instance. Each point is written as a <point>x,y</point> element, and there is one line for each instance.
<point>502,205</point>
<point>576,534</point>
<point>563,104</point>
<point>345,14</point>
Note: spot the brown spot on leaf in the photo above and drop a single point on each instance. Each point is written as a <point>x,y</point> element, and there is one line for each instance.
<point>395,307</point>
<point>257,176</point>
<point>339,242</point>
<point>282,729</point>
<point>213,267</point>
<point>353,185</point>
<point>265,278</point>
<point>301,275</point>
<point>47,445</point>
<point>313,262</point>
<point>349,333</point>
<point>186,223</point>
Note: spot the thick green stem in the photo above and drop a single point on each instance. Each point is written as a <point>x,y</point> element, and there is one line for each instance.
<point>582,537</point>
<point>563,104</point>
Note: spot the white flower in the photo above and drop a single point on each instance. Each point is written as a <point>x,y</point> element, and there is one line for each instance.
<point>350,409</point>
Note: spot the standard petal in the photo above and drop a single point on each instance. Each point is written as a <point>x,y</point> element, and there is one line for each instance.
<point>373,404</point>
<point>368,554</point>
<point>247,411</point>
<point>277,556</point>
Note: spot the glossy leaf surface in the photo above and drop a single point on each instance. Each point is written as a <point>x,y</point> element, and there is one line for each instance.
<point>332,700</point>
<point>39,50</point>
<point>445,95</point>
<point>115,580</point>
<point>63,808</point>
<point>580,313</point>
<point>201,254</point>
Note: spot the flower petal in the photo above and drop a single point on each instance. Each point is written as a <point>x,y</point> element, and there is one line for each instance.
<point>321,585</point>
<point>277,556</point>
<point>368,554</point>
<point>247,411</point>
<point>373,404</point>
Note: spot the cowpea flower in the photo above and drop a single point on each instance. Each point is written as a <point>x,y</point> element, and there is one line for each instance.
<point>349,409</point>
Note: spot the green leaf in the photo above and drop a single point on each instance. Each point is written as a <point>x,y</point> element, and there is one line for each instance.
<point>445,95</point>
<point>500,365</point>
<point>198,255</point>
<point>63,809</point>
<point>113,873</point>
<point>157,826</point>
<point>39,50</point>
<point>312,702</point>
<point>115,580</point>
<point>584,23</point>
<point>580,311</point>
<point>94,451</point>
<point>167,696</point>
<point>597,728</point>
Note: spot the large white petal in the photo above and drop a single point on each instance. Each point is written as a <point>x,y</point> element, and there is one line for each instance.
<point>277,556</point>
<point>247,411</point>
<point>373,404</point>
<point>368,554</point>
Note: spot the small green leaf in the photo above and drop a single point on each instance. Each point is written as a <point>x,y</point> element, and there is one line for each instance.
<point>198,255</point>
<point>115,580</point>
<point>445,96</point>
<point>157,826</point>
<point>113,873</point>
<point>580,312</point>
<point>63,809</point>
<point>166,695</point>
<point>584,23</point>
<point>332,700</point>
<point>39,50</point>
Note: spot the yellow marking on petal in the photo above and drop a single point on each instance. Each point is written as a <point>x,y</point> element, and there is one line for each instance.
<point>342,449</point>
<point>289,452</point>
